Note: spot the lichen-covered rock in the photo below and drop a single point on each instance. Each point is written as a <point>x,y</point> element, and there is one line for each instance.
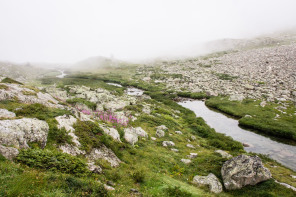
<point>168,143</point>
<point>243,170</point>
<point>223,154</point>
<point>159,133</point>
<point>112,132</point>
<point>20,132</point>
<point>211,181</point>
<point>190,146</point>
<point>94,168</point>
<point>192,155</point>
<point>67,122</point>
<point>71,150</point>
<point>131,134</point>
<point>130,137</point>
<point>104,153</point>
<point>17,91</point>
<point>8,152</point>
<point>4,113</point>
<point>186,161</point>
<point>179,132</point>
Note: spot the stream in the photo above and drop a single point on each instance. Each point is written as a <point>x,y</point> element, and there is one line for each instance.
<point>283,153</point>
<point>62,75</point>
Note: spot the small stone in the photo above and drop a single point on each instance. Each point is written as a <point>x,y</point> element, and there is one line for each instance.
<point>160,133</point>
<point>175,150</point>
<point>168,143</point>
<point>190,146</point>
<point>179,132</point>
<point>193,138</point>
<point>192,155</point>
<point>294,177</point>
<point>223,154</point>
<point>186,161</point>
<point>108,188</point>
<point>110,183</point>
<point>153,138</point>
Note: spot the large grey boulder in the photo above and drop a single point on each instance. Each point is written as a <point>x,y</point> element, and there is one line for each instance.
<point>4,113</point>
<point>104,153</point>
<point>211,181</point>
<point>243,170</point>
<point>20,132</point>
<point>8,152</point>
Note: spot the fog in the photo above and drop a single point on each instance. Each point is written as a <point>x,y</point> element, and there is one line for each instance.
<point>72,30</point>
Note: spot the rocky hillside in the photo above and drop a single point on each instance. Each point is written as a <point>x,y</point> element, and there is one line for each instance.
<point>80,136</point>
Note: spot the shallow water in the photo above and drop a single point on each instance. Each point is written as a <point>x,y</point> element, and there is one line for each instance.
<point>134,91</point>
<point>115,84</point>
<point>283,153</point>
<point>62,75</point>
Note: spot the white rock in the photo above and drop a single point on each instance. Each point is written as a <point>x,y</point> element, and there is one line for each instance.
<point>109,188</point>
<point>223,154</point>
<point>211,181</point>
<point>192,155</point>
<point>112,132</point>
<point>174,149</point>
<point>190,146</point>
<point>94,168</point>
<point>20,132</point>
<point>71,150</point>
<point>8,152</point>
<point>168,143</point>
<point>4,113</point>
<point>179,132</point>
<point>186,161</point>
<point>104,153</point>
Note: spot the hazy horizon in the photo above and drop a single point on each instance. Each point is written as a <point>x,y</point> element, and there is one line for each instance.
<point>72,30</point>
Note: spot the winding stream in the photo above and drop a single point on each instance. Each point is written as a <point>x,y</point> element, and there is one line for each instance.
<point>62,75</point>
<point>283,153</point>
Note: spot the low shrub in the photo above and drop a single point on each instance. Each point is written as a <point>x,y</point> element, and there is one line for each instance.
<point>176,192</point>
<point>9,80</point>
<point>54,161</point>
<point>40,111</point>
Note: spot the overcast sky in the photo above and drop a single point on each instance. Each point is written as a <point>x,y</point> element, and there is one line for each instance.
<point>72,30</point>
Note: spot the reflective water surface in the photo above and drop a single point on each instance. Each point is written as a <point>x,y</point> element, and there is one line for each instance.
<point>283,153</point>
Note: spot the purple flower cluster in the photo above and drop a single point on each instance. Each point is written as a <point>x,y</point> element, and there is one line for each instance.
<point>107,116</point>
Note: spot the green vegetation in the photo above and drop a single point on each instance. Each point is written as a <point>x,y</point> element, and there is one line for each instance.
<point>88,133</point>
<point>29,93</point>
<point>3,87</point>
<point>20,180</point>
<point>40,111</point>
<point>260,118</point>
<point>225,76</point>
<point>89,104</point>
<point>147,166</point>
<point>53,161</point>
<point>9,80</point>
<point>193,95</point>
